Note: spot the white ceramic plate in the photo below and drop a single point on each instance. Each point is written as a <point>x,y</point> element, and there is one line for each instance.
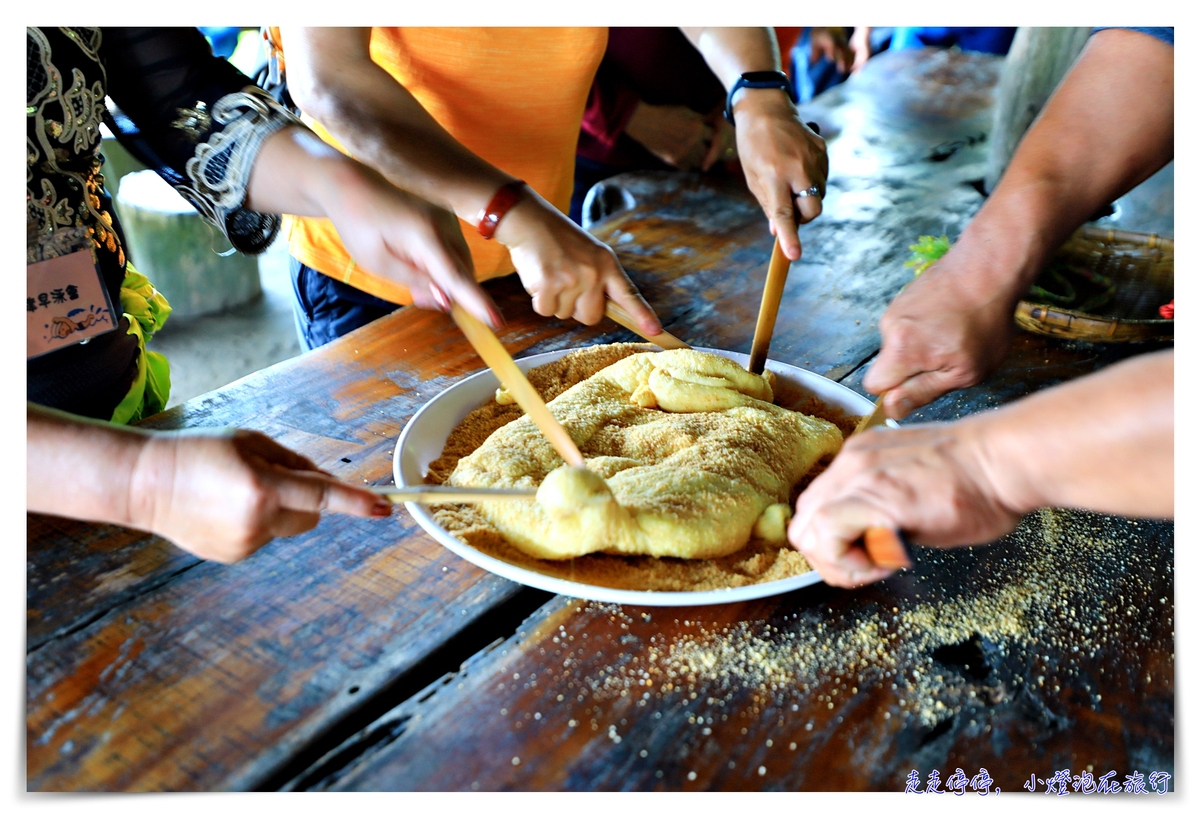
<point>424,438</point>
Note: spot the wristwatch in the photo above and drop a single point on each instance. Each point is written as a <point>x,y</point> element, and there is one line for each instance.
<point>759,79</point>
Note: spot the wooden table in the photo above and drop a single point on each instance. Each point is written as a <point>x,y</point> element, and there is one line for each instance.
<point>363,655</point>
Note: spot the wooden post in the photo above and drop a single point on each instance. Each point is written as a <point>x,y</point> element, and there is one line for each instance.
<point>169,242</point>
<point>1037,61</point>
<point>118,162</point>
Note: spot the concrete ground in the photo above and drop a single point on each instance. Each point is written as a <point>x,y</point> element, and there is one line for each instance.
<point>209,351</point>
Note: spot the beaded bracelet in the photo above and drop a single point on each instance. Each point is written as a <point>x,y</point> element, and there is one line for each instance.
<point>489,218</point>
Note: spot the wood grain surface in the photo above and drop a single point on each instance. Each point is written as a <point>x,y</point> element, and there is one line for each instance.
<point>363,655</point>
<point>817,689</point>
<point>1052,649</point>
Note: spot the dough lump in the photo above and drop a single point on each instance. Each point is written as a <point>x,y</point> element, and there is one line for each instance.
<point>684,451</point>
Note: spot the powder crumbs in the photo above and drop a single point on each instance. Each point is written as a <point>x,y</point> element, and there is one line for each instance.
<point>758,562</point>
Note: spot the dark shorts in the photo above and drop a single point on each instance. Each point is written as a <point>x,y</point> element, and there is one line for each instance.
<point>327,309</point>
<point>86,379</point>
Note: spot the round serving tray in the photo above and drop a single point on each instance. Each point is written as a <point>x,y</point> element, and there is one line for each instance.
<point>424,437</point>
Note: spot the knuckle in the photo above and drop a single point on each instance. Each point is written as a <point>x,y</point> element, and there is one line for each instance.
<point>853,446</point>
<point>242,541</point>
<point>904,335</point>
<point>243,549</point>
<point>257,501</point>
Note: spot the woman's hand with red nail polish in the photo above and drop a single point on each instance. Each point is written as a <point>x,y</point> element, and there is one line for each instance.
<point>408,240</point>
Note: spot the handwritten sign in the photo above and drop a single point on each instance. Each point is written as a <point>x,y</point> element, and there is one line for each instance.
<point>66,303</point>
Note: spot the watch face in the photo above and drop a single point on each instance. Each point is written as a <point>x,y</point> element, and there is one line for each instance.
<point>764,76</point>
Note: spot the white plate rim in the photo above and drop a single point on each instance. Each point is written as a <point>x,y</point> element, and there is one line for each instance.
<point>580,590</point>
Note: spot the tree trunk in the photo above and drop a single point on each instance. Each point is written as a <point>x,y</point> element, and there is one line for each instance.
<point>1038,59</point>
<point>173,246</point>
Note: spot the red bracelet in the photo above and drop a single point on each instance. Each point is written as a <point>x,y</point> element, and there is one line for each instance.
<point>501,203</point>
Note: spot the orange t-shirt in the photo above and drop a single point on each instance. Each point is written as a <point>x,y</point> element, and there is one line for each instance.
<point>513,96</point>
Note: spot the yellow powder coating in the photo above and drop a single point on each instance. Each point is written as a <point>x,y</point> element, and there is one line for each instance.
<point>689,478</point>
<point>760,561</point>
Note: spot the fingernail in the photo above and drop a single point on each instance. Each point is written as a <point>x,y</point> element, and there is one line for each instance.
<point>904,406</point>
<point>440,297</point>
<point>495,318</point>
<point>382,508</point>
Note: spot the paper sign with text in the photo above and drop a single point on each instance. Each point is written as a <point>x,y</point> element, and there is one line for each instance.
<point>66,303</point>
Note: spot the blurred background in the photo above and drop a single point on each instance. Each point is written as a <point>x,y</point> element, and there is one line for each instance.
<point>233,314</point>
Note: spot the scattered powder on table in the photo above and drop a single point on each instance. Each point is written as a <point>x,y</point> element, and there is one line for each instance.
<point>756,563</point>
<point>1071,587</point>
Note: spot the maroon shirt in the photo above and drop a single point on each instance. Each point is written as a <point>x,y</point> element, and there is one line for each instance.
<point>655,65</point>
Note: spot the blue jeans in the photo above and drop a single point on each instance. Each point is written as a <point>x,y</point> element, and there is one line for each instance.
<point>327,309</point>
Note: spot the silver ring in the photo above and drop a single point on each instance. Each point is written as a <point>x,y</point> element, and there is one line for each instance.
<point>812,191</point>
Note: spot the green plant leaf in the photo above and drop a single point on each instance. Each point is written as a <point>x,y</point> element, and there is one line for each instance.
<point>926,251</point>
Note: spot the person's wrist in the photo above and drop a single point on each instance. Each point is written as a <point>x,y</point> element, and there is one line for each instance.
<point>988,265</point>
<point>1019,226</point>
<point>757,102</point>
<point>527,218</point>
<point>342,183</point>
<point>640,123</point>
<point>506,197</point>
<point>150,478</point>
<point>990,442</point>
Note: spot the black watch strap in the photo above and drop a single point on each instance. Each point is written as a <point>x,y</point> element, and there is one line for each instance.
<point>759,79</point>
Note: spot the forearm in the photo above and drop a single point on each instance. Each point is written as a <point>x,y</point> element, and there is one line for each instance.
<point>1005,246</point>
<point>297,173</point>
<point>80,468</point>
<point>383,125</point>
<point>1104,442</point>
<point>731,52</point>
<point>1107,127</point>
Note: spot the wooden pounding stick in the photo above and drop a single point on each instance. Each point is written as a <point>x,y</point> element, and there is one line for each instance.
<point>878,417</point>
<point>664,339</point>
<point>768,310</point>
<point>449,494</point>
<point>513,379</point>
<point>884,546</point>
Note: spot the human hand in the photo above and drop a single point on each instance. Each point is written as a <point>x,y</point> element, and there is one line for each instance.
<point>410,241</point>
<point>831,44</point>
<point>724,143</point>
<point>930,481</point>
<point>223,494</point>
<point>567,271</point>
<point>674,133</point>
<point>860,44</point>
<point>781,157</point>
<point>945,330</point>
